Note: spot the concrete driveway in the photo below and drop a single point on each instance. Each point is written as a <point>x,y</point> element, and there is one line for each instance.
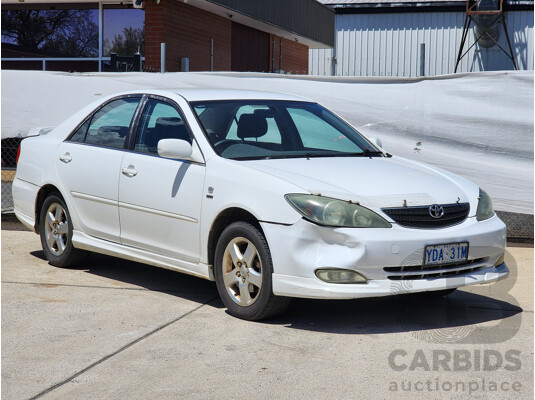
<point>120,330</point>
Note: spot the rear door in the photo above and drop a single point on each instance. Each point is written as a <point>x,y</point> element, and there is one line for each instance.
<point>89,164</point>
<point>160,198</point>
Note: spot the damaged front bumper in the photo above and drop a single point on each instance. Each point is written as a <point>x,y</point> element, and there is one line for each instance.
<point>390,259</point>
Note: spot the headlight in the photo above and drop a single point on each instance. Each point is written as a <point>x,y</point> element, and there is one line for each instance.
<point>332,212</point>
<point>484,207</point>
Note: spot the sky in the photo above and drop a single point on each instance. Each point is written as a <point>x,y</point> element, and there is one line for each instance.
<point>116,20</point>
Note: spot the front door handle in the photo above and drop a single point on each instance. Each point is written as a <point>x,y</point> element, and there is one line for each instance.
<point>130,171</point>
<point>66,158</point>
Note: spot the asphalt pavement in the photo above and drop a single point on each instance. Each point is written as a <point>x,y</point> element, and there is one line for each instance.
<point>115,329</point>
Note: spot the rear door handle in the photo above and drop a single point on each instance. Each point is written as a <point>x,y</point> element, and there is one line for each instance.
<point>66,158</point>
<point>130,171</point>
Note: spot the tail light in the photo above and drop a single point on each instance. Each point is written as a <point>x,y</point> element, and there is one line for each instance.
<point>18,155</point>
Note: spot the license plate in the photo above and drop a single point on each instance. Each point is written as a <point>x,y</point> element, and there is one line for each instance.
<point>452,253</point>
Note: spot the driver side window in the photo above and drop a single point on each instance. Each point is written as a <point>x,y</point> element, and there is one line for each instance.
<point>160,120</point>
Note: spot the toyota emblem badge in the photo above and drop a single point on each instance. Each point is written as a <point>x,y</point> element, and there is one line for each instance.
<point>436,211</point>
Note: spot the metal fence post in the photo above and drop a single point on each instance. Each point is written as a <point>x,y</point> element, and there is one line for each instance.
<point>162,58</point>
<point>211,54</point>
<point>422,59</point>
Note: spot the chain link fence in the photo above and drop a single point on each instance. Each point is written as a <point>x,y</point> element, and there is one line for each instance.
<point>9,151</point>
<point>519,226</point>
<point>7,178</point>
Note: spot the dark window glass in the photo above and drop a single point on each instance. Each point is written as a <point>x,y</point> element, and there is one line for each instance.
<point>241,129</point>
<point>49,33</point>
<point>160,121</point>
<point>79,135</point>
<point>255,123</point>
<point>123,31</point>
<point>109,126</point>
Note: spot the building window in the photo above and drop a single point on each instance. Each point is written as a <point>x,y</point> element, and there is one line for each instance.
<point>50,33</point>
<point>65,37</point>
<point>123,31</point>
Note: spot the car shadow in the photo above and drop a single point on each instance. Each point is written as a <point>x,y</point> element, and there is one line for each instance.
<point>461,317</point>
<point>147,277</point>
<point>458,313</point>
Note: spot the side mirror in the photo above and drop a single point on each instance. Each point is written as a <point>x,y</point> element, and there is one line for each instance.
<point>174,148</point>
<point>179,149</point>
<point>377,142</point>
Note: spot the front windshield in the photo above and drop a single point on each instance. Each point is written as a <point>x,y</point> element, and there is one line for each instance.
<point>248,130</point>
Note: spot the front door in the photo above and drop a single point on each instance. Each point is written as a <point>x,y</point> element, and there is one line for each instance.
<point>160,198</point>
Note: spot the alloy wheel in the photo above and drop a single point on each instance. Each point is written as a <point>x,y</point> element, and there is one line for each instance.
<point>242,271</point>
<point>56,229</point>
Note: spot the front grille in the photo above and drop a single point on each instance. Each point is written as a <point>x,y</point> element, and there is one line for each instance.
<point>419,216</point>
<point>433,271</point>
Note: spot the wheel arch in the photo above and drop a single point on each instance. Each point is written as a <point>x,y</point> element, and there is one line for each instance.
<point>224,219</point>
<point>43,193</point>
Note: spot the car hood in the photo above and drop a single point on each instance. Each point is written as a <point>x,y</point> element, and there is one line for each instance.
<point>372,181</point>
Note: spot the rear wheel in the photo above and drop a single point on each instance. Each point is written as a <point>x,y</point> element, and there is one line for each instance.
<point>243,269</point>
<point>55,228</point>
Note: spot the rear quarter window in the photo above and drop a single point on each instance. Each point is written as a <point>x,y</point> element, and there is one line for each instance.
<point>109,125</point>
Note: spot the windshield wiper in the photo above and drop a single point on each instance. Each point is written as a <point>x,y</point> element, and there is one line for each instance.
<point>365,153</point>
<point>371,153</point>
<point>308,156</point>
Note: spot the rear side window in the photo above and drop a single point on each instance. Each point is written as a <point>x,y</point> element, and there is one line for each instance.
<point>160,121</point>
<point>109,125</point>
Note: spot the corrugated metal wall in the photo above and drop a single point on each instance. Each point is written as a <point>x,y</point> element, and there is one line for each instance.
<point>389,45</point>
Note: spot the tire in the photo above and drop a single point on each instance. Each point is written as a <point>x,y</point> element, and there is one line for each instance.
<point>55,227</point>
<point>243,269</point>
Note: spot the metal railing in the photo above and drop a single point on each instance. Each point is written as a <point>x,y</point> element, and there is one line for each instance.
<point>44,60</point>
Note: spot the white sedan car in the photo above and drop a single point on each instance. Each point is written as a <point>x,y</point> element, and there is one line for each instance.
<point>270,195</point>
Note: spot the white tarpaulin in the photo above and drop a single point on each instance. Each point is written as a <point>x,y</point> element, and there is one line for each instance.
<point>477,125</point>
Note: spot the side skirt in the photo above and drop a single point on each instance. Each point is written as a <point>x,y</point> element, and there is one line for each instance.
<point>82,241</point>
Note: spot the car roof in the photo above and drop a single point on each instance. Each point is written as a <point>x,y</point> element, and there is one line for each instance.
<point>223,94</point>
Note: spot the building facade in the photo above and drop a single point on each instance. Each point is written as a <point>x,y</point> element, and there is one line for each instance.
<point>411,39</point>
<point>197,35</point>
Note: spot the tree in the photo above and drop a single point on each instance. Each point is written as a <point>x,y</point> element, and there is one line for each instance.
<point>68,32</point>
<point>130,41</point>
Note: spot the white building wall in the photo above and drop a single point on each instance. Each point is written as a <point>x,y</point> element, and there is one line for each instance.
<point>388,44</point>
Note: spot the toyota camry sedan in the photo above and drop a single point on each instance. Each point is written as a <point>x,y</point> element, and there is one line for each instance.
<point>271,196</point>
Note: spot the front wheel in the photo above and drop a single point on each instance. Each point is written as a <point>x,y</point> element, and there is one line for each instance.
<point>243,269</point>
<point>55,228</point>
